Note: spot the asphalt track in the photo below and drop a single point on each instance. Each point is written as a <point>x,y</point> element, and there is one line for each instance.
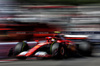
<point>86,61</point>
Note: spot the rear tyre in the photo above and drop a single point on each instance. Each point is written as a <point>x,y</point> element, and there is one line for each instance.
<point>85,48</point>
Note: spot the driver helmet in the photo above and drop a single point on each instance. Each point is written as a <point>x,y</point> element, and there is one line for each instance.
<point>53,39</point>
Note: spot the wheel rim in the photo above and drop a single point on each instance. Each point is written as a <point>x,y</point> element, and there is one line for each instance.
<point>62,51</point>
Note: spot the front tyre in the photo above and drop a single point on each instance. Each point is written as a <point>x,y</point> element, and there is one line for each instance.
<point>20,47</point>
<point>58,51</point>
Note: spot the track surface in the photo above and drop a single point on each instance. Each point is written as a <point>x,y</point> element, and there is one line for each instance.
<point>86,61</point>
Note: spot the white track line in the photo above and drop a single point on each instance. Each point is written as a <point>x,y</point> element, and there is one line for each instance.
<point>6,43</point>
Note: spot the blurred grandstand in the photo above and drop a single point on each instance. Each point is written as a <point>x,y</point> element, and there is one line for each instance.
<point>20,22</point>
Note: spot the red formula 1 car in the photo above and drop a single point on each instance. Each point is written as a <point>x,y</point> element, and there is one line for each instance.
<point>56,47</point>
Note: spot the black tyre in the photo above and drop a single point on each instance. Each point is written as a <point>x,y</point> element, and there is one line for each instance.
<point>10,52</point>
<point>58,51</point>
<point>85,48</point>
<point>21,46</point>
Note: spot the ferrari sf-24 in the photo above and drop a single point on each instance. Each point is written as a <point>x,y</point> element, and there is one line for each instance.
<point>54,47</point>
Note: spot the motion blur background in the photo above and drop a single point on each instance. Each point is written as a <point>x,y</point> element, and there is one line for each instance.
<point>35,19</point>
